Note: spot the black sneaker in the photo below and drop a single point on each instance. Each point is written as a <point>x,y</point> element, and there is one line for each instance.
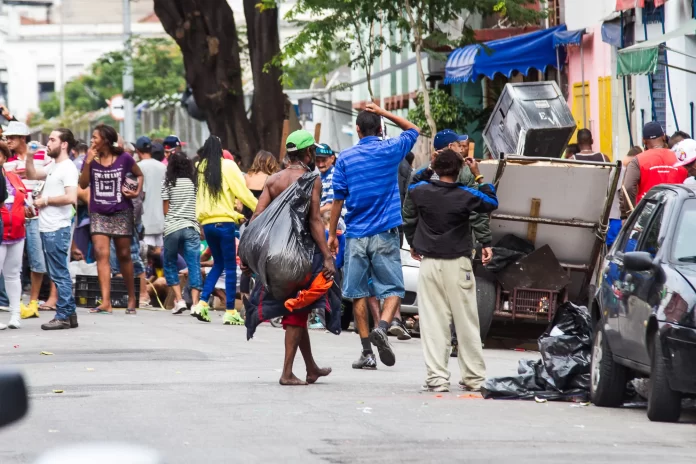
<point>73,321</point>
<point>455,351</point>
<point>56,324</point>
<point>378,337</point>
<point>366,361</point>
<point>398,330</point>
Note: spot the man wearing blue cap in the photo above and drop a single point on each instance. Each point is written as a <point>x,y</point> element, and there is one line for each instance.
<point>153,176</point>
<point>480,223</point>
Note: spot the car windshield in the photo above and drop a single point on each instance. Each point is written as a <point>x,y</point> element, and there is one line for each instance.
<point>684,249</point>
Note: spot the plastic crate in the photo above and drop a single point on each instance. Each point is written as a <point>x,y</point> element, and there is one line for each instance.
<point>88,293</point>
<point>529,303</point>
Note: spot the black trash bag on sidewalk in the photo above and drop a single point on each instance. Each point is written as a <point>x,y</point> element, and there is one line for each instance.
<point>563,372</point>
<point>278,245</point>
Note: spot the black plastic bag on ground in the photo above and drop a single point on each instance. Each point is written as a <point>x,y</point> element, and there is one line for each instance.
<point>277,245</point>
<point>563,372</point>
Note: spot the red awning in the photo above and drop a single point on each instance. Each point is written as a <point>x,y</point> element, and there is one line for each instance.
<point>622,5</point>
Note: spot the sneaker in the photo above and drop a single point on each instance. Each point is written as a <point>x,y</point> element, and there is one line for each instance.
<point>56,324</point>
<point>73,321</point>
<point>3,327</point>
<point>398,330</point>
<point>316,325</point>
<point>231,317</point>
<point>30,310</point>
<point>200,311</point>
<point>455,351</point>
<point>366,361</point>
<point>438,389</point>
<point>378,337</point>
<point>14,322</point>
<point>465,387</point>
<point>179,307</point>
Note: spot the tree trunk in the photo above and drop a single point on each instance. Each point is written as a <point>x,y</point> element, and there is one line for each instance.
<point>417,28</point>
<point>267,105</point>
<point>206,33</point>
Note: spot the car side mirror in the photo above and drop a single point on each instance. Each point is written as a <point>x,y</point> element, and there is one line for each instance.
<point>14,402</point>
<point>638,261</point>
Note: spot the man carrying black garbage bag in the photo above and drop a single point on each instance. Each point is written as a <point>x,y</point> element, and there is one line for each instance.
<point>300,152</point>
<point>446,284</point>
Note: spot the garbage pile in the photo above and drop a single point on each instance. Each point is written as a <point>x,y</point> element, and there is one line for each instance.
<point>563,372</point>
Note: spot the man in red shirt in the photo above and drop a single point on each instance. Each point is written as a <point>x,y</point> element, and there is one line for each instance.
<point>18,138</point>
<point>655,166</point>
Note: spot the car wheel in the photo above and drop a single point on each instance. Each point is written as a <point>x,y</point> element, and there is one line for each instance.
<point>664,404</point>
<point>608,379</point>
<point>346,314</point>
<point>485,301</point>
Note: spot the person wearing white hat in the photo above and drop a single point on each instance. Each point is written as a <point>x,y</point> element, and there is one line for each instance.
<point>686,156</point>
<point>18,136</point>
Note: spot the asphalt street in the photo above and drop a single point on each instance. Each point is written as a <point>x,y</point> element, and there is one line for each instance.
<point>200,393</point>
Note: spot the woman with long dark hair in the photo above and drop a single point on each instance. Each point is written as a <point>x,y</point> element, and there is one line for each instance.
<point>115,179</point>
<point>181,230</point>
<point>220,184</point>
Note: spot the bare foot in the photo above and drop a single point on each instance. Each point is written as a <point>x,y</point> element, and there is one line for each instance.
<point>313,376</point>
<point>292,380</point>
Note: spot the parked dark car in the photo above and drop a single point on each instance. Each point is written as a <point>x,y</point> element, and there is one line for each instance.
<point>644,305</point>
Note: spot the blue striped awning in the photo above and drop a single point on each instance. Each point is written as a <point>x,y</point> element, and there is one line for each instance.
<point>521,53</point>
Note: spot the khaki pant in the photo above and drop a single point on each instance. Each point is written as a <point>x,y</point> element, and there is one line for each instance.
<point>447,293</point>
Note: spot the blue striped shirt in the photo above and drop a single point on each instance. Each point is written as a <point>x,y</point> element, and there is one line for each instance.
<point>365,176</point>
<point>327,194</point>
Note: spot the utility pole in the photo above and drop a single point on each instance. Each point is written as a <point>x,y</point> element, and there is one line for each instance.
<point>128,130</point>
<point>61,75</point>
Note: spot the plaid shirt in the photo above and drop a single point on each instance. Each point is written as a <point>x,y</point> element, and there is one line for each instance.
<point>327,194</point>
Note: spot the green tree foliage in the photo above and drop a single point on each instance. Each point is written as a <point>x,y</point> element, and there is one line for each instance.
<point>300,74</point>
<point>158,71</point>
<point>448,112</point>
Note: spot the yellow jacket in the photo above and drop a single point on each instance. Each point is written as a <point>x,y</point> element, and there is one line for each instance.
<point>233,188</point>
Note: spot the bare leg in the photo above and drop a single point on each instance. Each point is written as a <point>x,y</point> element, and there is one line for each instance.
<point>313,371</point>
<point>397,315</point>
<point>123,245</point>
<point>101,251</point>
<point>36,281</point>
<point>360,315</point>
<point>52,298</point>
<point>391,304</point>
<point>293,337</point>
<point>177,292</point>
<point>375,310</point>
<point>143,288</point>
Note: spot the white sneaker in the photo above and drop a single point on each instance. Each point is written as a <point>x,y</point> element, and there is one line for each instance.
<point>3,326</point>
<point>14,323</point>
<point>179,307</point>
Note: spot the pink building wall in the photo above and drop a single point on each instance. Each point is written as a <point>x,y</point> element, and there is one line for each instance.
<point>597,57</point>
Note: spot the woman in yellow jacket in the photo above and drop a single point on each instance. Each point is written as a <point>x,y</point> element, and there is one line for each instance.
<point>220,184</point>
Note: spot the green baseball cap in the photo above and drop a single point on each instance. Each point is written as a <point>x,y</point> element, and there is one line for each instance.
<point>299,140</point>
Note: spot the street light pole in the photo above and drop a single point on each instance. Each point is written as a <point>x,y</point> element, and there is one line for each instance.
<point>129,119</point>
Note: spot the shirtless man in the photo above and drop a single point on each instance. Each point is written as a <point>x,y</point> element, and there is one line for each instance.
<point>300,156</point>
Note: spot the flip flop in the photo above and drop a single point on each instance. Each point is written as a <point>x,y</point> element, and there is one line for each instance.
<point>44,307</point>
<point>99,311</point>
<point>131,311</point>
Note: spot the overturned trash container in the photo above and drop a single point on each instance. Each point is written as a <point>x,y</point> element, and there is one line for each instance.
<point>530,119</point>
<point>563,372</point>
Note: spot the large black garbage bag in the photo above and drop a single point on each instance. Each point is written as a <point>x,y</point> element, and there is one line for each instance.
<point>502,258</point>
<point>277,245</point>
<point>563,371</point>
<point>262,306</point>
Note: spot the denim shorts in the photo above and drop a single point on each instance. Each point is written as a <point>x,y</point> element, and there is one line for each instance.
<point>35,253</point>
<point>375,258</point>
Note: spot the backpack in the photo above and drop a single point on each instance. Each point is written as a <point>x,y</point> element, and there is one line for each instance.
<point>13,220</point>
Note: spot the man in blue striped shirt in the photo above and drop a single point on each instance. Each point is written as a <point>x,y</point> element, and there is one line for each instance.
<point>365,178</point>
<point>325,159</point>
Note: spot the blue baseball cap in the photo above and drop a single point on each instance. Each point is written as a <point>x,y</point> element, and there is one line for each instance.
<point>447,136</point>
<point>323,150</point>
<point>143,143</point>
<point>171,142</point>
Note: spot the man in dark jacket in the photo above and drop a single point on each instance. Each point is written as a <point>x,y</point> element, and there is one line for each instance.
<point>446,283</point>
<point>480,223</point>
